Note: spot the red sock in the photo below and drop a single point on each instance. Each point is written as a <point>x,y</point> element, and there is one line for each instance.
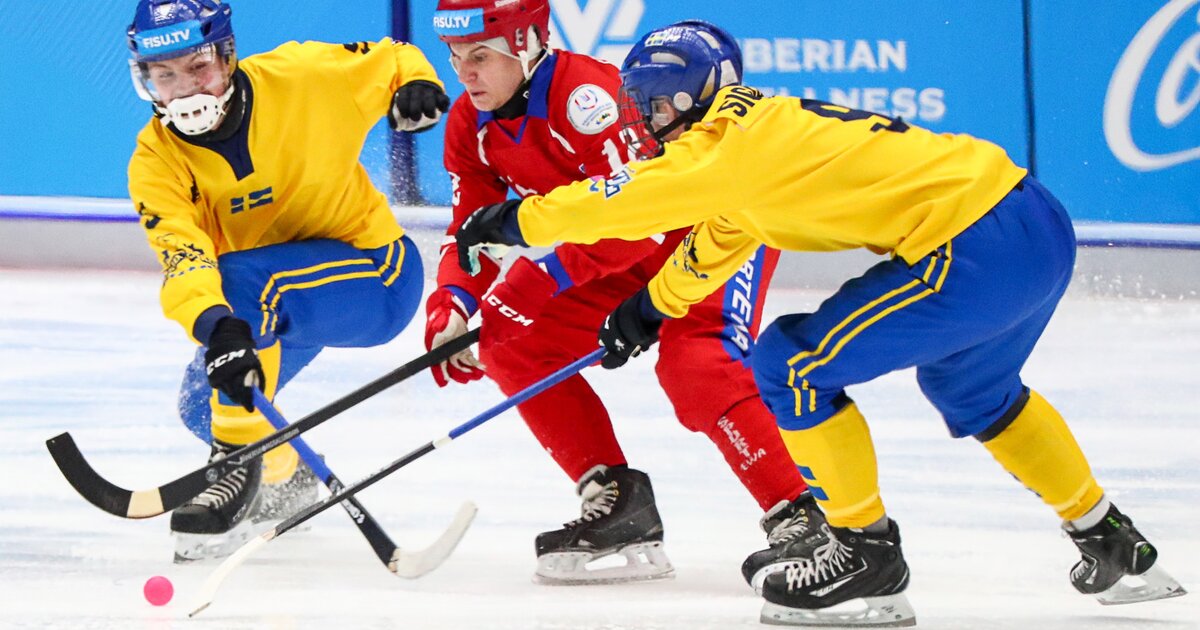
<point>573,426</point>
<point>748,438</point>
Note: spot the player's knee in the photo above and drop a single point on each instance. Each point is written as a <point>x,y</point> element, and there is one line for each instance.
<point>514,366</point>
<point>769,359</point>
<point>981,410</point>
<point>1006,419</point>
<point>499,365</point>
<point>685,389</point>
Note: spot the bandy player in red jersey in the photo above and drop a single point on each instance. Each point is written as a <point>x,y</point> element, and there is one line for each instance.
<point>532,119</point>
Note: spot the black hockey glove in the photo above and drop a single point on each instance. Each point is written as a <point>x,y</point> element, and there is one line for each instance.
<point>487,227</point>
<point>417,106</point>
<point>630,329</point>
<point>232,362</point>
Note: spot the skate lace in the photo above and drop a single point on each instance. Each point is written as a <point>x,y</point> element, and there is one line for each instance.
<point>223,491</point>
<point>827,561</point>
<point>789,528</point>
<point>596,504</point>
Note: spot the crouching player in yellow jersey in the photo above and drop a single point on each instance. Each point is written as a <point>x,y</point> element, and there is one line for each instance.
<point>982,253</point>
<point>274,243</point>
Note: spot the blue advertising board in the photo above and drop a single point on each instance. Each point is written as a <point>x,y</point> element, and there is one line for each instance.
<point>1112,124</point>
<point>68,112</point>
<point>943,64</point>
<point>1116,112</point>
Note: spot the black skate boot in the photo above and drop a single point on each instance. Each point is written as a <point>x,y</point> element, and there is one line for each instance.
<point>215,523</point>
<point>788,523</point>
<point>618,518</point>
<point>845,577</point>
<point>1118,565</point>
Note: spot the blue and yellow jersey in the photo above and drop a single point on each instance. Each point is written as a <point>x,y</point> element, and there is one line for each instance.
<point>289,172</point>
<point>791,173</point>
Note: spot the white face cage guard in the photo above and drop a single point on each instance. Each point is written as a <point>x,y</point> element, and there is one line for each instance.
<point>197,114</point>
<point>192,114</point>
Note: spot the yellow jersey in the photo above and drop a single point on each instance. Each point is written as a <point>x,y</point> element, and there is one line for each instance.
<point>289,172</point>
<point>794,174</point>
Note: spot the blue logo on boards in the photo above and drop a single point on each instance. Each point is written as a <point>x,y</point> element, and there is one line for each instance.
<point>257,198</point>
<point>458,23</point>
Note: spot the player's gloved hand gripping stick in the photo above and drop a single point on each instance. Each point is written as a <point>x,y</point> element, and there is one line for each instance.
<point>445,320</point>
<point>630,329</point>
<point>146,503</point>
<point>231,362</point>
<point>493,226</point>
<point>213,583</point>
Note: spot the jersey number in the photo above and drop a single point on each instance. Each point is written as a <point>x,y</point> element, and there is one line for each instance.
<point>829,110</point>
<point>615,162</point>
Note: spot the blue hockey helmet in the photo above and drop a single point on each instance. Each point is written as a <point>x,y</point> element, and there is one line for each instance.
<point>163,30</point>
<point>671,77</point>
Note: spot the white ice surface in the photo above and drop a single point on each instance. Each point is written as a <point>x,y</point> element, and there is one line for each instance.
<point>89,352</point>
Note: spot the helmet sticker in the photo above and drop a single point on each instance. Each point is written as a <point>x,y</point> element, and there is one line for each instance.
<point>457,23</point>
<point>170,38</point>
<point>590,109</point>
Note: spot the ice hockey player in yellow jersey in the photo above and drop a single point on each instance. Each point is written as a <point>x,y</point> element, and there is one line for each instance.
<point>273,242</point>
<point>981,254</point>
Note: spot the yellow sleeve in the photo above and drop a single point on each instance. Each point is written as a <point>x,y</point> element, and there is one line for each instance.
<point>374,70</point>
<point>191,281</point>
<point>702,263</point>
<point>683,187</point>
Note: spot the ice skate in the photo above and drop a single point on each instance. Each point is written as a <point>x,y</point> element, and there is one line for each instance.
<point>841,577</point>
<point>618,537</point>
<point>787,524</point>
<point>216,521</point>
<point>1119,565</point>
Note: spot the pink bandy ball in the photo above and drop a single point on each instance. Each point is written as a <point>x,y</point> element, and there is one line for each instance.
<point>158,590</point>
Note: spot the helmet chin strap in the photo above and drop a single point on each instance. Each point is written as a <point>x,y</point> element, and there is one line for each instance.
<point>531,61</point>
<point>197,114</point>
<point>692,115</point>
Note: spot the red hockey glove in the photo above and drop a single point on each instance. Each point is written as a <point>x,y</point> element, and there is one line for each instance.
<point>446,319</point>
<point>511,307</point>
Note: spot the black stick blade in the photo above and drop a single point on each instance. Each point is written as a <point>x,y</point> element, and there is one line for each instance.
<point>96,489</point>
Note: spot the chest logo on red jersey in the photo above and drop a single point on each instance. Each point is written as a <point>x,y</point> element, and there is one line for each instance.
<point>256,198</point>
<point>590,109</point>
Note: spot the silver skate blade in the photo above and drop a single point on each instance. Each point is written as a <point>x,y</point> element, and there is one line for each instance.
<point>887,611</point>
<point>1154,584</point>
<point>633,563</point>
<point>201,547</point>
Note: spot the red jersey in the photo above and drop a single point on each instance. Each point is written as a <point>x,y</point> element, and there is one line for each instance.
<point>569,132</point>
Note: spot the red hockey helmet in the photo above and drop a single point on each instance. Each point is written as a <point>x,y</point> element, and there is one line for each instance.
<point>513,20</point>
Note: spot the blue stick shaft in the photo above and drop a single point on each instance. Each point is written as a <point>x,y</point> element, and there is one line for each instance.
<point>529,392</point>
<point>347,493</point>
<point>277,420</point>
<point>380,542</point>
